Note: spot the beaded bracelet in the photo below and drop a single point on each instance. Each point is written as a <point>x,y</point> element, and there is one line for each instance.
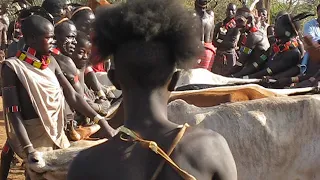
<point>13,109</point>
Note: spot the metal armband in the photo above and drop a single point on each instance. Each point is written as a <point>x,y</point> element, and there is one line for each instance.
<point>239,63</point>
<point>269,71</point>
<point>255,64</point>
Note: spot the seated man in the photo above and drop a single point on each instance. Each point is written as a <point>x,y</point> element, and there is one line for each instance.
<point>146,56</point>
<point>83,18</point>
<point>309,70</point>
<point>254,43</point>
<point>225,38</point>
<point>66,33</point>
<point>33,99</point>
<point>284,63</point>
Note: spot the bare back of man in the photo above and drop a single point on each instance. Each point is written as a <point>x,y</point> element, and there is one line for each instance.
<point>206,19</point>
<point>132,161</point>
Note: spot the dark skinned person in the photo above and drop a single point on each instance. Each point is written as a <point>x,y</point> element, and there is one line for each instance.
<point>148,46</point>
<point>33,99</point>
<point>4,24</point>
<point>262,23</point>
<point>254,44</point>
<point>287,55</point>
<point>7,154</point>
<point>56,8</point>
<point>80,58</point>
<point>225,38</point>
<point>83,18</point>
<point>207,28</point>
<point>66,42</point>
<point>309,71</point>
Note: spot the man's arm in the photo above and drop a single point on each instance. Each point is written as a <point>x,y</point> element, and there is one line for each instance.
<point>11,101</point>
<point>93,83</point>
<point>231,42</point>
<point>279,65</point>
<point>77,102</point>
<point>224,165</point>
<point>215,35</point>
<point>245,52</point>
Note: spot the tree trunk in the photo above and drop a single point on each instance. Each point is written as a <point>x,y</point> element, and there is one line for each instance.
<point>267,4</point>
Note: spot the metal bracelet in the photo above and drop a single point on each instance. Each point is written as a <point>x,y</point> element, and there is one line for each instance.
<point>26,146</point>
<point>97,118</point>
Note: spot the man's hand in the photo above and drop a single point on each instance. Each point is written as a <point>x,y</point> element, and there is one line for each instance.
<point>107,130</point>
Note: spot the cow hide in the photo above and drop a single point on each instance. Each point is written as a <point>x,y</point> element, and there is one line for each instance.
<point>271,139</point>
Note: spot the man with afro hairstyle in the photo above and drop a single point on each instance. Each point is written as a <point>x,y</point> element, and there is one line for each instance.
<point>149,41</point>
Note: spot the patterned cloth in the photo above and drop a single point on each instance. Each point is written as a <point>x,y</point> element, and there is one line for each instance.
<point>312,29</point>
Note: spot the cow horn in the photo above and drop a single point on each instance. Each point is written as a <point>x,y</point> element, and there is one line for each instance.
<point>302,16</point>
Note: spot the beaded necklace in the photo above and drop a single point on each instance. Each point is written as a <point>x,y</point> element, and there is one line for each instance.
<point>24,55</point>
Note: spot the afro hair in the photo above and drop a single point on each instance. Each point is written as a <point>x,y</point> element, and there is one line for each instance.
<point>161,21</point>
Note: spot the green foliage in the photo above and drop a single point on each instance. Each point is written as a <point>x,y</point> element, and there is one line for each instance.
<point>291,6</point>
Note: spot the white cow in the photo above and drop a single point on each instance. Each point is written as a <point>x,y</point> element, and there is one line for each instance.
<point>54,164</point>
<point>271,139</point>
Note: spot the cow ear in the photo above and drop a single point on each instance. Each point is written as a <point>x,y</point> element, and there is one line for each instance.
<point>112,78</point>
<point>174,80</point>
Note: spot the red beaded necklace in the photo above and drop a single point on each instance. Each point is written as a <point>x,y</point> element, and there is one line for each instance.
<point>278,48</point>
<point>24,55</point>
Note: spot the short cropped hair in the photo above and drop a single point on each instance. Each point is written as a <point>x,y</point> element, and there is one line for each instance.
<point>53,6</point>
<point>82,37</point>
<point>32,26</point>
<point>59,28</point>
<point>160,35</point>
<point>80,13</point>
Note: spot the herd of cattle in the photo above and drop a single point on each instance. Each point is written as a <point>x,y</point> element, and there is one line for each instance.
<point>274,136</point>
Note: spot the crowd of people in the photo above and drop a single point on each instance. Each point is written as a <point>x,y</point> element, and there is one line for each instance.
<point>245,45</point>
<point>52,55</point>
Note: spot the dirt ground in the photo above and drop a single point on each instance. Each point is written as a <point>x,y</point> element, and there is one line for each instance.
<point>16,173</point>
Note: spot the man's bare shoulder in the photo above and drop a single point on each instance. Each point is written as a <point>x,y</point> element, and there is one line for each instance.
<point>201,139</point>
<point>207,151</point>
<point>91,162</point>
<point>5,69</point>
<point>66,64</point>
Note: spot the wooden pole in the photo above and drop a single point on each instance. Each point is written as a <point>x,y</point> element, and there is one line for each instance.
<point>267,4</point>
